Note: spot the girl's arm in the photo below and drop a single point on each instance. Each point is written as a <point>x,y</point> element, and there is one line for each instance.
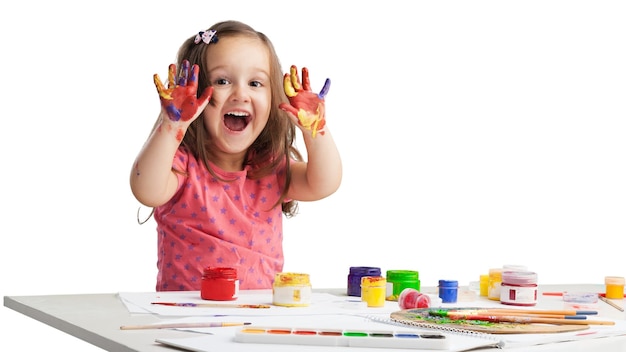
<point>151,180</point>
<point>321,175</point>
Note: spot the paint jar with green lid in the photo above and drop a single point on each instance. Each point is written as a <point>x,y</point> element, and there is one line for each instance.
<point>398,280</point>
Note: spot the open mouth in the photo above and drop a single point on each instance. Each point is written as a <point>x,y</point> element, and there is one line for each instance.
<point>236,121</point>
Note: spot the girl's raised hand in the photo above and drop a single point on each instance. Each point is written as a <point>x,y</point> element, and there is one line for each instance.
<point>306,107</point>
<point>178,99</point>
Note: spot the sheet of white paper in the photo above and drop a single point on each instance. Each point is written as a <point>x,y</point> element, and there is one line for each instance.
<point>321,303</point>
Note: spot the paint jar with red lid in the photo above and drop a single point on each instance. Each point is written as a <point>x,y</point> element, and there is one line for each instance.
<point>219,284</point>
<point>518,288</point>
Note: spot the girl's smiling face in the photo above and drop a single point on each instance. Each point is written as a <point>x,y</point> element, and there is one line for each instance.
<point>239,71</point>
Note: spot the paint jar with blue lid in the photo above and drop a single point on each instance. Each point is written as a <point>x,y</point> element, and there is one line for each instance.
<point>355,275</point>
<point>448,290</point>
<point>398,280</point>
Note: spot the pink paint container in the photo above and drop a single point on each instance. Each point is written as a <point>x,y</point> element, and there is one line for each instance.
<point>411,298</point>
<point>518,288</point>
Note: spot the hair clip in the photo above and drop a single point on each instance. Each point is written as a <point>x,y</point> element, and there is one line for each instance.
<point>208,37</point>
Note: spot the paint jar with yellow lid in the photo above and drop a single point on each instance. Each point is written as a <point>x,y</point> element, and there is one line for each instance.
<point>495,284</point>
<point>291,290</point>
<point>614,287</point>
<point>484,285</point>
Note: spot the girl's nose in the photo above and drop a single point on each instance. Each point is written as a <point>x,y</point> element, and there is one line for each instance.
<point>240,93</point>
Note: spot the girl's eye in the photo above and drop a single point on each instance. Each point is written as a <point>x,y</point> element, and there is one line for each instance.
<point>255,84</point>
<point>221,81</point>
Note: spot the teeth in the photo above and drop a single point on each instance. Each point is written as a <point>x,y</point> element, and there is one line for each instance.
<point>238,114</point>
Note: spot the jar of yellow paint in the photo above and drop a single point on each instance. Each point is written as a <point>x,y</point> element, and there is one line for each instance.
<point>291,290</point>
<point>614,287</point>
<point>484,285</point>
<point>373,289</point>
<point>495,284</point>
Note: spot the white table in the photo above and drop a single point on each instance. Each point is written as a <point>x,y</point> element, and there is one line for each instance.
<point>96,318</point>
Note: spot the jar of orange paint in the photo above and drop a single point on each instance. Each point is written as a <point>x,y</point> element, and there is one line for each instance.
<point>614,287</point>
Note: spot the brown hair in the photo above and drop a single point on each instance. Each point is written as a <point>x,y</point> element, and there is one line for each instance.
<point>275,144</point>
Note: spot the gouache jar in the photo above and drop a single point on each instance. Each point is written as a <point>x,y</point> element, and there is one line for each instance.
<point>291,290</point>
<point>373,290</point>
<point>411,298</point>
<point>355,275</point>
<point>484,285</point>
<point>398,280</point>
<point>495,281</point>
<point>448,290</point>
<point>518,288</point>
<point>614,287</point>
<point>510,267</point>
<point>219,284</point>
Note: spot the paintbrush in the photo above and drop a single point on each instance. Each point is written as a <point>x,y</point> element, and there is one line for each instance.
<point>518,319</point>
<point>212,305</point>
<point>544,311</point>
<point>611,303</point>
<point>181,325</point>
<point>519,314</point>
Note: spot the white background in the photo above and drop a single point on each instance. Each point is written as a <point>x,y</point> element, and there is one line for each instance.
<point>473,134</point>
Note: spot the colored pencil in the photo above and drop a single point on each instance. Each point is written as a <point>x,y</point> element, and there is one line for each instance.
<point>611,303</point>
<point>212,305</point>
<point>181,325</point>
<point>519,319</point>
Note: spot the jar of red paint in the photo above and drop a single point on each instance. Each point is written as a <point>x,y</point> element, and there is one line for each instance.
<point>219,284</point>
<point>411,298</point>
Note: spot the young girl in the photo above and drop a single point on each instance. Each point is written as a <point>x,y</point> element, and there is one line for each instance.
<point>220,167</point>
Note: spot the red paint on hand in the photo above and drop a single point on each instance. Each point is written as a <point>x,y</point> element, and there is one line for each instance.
<point>179,97</point>
<point>307,106</point>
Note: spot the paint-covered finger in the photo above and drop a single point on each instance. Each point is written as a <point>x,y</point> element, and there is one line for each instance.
<point>205,97</point>
<point>184,74</point>
<point>289,109</point>
<point>325,89</point>
<point>295,80</point>
<point>163,93</point>
<point>306,83</point>
<point>288,86</point>
<point>193,79</point>
<point>171,73</point>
